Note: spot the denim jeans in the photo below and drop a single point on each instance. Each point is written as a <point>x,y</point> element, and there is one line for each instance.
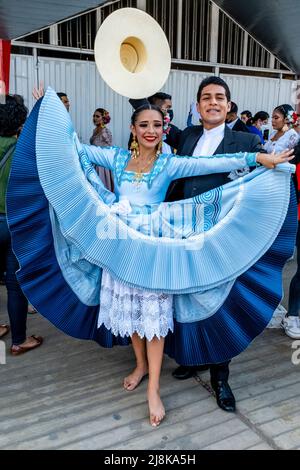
<point>17,304</point>
<point>294,296</point>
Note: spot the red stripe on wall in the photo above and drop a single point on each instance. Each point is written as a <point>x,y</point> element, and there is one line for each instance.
<point>4,66</point>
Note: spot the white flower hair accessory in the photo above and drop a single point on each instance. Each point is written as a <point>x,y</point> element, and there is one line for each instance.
<point>292,118</point>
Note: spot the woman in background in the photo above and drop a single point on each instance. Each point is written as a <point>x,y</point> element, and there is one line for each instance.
<point>13,114</point>
<point>257,124</point>
<point>291,322</point>
<point>102,137</point>
<point>284,135</point>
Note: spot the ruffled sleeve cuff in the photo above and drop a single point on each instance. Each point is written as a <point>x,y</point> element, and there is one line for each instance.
<point>251,159</point>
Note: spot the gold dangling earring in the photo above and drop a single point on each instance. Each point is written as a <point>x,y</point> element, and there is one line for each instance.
<point>159,147</point>
<point>134,147</point>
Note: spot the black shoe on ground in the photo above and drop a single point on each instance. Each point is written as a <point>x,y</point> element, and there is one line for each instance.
<point>224,396</point>
<point>186,372</point>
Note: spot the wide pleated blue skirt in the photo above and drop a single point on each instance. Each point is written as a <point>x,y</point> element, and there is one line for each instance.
<point>245,313</point>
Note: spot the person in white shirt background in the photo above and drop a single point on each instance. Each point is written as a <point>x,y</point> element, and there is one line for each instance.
<point>284,135</point>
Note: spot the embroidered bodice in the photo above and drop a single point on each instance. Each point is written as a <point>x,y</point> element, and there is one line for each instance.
<point>102,138</point>
<point>153,185</point>
<point>287,141</point>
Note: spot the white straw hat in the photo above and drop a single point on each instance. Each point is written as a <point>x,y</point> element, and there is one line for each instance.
<point>132,53</point>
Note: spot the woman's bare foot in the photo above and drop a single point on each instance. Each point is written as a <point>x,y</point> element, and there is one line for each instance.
<point>156,408</point>
<point>134,379</point>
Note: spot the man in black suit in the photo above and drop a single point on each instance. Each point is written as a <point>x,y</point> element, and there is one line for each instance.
<point>233,121</point>
<point>214,137</point>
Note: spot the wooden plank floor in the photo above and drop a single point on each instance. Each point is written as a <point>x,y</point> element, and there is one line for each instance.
<point>68,395</point>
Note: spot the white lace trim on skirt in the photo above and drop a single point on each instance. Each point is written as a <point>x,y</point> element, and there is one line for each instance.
<point>125,310</point>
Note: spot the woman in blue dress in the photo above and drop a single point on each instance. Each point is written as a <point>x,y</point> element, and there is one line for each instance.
<point>147,317</point>
<point>136,299</point>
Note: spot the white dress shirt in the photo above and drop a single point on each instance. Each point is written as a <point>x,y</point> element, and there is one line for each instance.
<point>209,141</point>
<point>232,123</point>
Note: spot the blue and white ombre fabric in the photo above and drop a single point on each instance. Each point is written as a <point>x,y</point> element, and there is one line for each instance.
<point>220,255</point>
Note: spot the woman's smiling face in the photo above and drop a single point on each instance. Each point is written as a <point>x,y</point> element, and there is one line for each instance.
<point>148,128</point>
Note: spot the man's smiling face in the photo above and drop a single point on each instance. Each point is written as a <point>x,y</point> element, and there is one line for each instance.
<point>213,106</point>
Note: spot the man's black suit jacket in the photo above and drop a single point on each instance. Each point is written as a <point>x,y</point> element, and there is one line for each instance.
<point>185,143</point>
<point>240,126</point>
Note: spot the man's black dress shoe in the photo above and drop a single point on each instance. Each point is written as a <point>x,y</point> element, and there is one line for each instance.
<point>224,395</point>
<point>186,372</point>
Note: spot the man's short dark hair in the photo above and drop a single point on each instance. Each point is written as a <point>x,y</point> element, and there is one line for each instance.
<point>12,116</point>
<point>262,115</point>
<point>213,80</point>
<point>158,98</point>
<point>234,108</point>
<point>60,94</point>
<point>247,113</point>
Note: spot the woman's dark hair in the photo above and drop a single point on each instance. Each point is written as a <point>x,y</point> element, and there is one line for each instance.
<point>102,111</point>
<point>213,80</point>
<point>60,94</point>
<point>12,116</point>
<point>284,109</point>
<point>146,107</point>
<point>263,115</point>
<point>104,114</point>
<point>18,98</point>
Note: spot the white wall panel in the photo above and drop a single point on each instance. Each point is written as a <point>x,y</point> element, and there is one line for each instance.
<point>287,92</point>
<point>87,91</point>
<point>84,87</point>
<point>183,86</point>
<point>22,72</point>
<point>259,93</point>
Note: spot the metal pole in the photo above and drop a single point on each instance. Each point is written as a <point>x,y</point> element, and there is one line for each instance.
<point>141,4</point>
<point>53,32</point>
<point>36,65</point>
<point>214,35</point>
<point>279,87</point>
<point>272,61</point>
<point>245,48</point>
<point>179,31</point>
<point>98,18</point>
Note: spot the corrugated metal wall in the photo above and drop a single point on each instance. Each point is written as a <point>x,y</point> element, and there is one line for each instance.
<point>86,90</point>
